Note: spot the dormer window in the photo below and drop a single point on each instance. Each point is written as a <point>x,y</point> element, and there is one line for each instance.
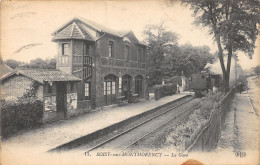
<point>65,49</point>
<point>126,39</point>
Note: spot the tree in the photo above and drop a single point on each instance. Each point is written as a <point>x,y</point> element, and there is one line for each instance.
<point>186,60</point>
<point>51,63</point>
<point>157,38</point>
<point>40,63</point>
<point>233,25</point>
<point>257,70</point>
<point>13,63</point>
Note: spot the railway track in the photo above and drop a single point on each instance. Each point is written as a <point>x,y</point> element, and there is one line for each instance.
<point>131,136</point>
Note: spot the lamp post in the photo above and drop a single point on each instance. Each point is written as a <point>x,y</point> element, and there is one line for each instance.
<point>147,87</point>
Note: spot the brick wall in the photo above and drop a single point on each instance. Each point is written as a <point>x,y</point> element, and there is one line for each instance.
<point>119,46</point>
<point>16,86</point>
<point>67,68</point>
<point>107,66</point>
<point>116,65</point>
<point>118,72</point>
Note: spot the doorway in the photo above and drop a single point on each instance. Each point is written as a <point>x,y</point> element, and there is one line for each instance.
<point>60,97</point>
<point>139,85</point>
<point>126,85</point>
<point>109,90</point>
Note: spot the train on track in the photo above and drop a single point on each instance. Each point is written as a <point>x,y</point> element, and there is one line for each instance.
<point>202,82</point>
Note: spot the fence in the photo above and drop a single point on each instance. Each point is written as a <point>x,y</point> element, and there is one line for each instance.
<point>207,138</point>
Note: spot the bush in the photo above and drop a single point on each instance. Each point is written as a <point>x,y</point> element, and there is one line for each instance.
<point>164,90</point>
<point>20,116</point>
<point>174,80</point>
<point>189,129</point>
<point>207,103</point>
<point>186,130</point>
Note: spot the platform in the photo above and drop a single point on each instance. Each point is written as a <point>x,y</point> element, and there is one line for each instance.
<point>56,134</point>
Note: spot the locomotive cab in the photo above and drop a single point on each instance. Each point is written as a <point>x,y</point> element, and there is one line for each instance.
<point>202,82</point>
<point>199,83</point>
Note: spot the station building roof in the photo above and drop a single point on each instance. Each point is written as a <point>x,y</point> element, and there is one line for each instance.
<point>43,75</point>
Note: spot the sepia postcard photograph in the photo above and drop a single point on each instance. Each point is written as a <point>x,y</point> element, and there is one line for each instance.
<point>156,82</point>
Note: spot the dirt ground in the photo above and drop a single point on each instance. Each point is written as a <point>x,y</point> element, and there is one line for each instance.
<point>253,92</point>
<point>240,132</point>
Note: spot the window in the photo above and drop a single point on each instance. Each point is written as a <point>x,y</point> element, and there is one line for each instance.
<point>87,90</point>
<point>143,58</point>
<point>64,58</point>
<point>105,88</point>
<point>111,49</point>
<point>120,84</point>
<point>86,50</point>
<point>127,52</point>
<point>108,87</point>
<point>71,87</point>
<point>65,49</point>
<point>113,87</point>
<point>49,88</point>
<point>139,55</point>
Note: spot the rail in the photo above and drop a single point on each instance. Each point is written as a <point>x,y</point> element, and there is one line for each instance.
<point>157,128</point>
<point>142,123</point>
<point>89,138</point>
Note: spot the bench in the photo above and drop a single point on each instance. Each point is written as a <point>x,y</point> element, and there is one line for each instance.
<point>121,101</point>
<point>135,98</point>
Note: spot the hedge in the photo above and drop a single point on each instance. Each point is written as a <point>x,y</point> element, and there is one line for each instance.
<point>20,116</point>
<point>164,90</point>
<point>190,128</point>
<point>174,80</point>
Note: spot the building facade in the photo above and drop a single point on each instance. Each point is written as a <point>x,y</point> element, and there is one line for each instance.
<point>55,89</point>
<point>110,63</point>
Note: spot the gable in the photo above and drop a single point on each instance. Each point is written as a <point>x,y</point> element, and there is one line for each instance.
<point>74,30</point>
<point>87,27</point>
<point>5,70</point>
<point>16,76</point>
<point>132,37</point>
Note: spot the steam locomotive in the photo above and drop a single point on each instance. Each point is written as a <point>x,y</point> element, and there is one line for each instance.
<point>202,82</point>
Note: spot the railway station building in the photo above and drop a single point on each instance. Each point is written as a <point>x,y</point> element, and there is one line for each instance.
<point>111,64</point>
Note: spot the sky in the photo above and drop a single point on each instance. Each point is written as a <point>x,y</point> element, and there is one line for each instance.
<point>31,23</point>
